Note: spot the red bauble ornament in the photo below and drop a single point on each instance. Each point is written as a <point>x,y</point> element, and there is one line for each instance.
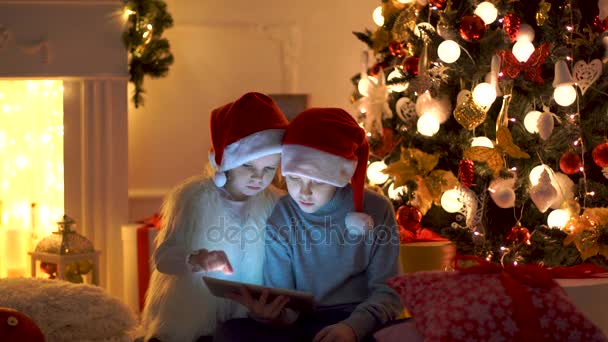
<point>570,163</point>
<point>410,65</point>
<point>375,69</point>
<point>600,25</point>
<point>466,172</point>
<point>396,49</point>
<point>600,155</point>
<point>438,4</point>
<point>409,217</point>
<point>511,23</point>
<point>472,28</point>
<point>519,234</point>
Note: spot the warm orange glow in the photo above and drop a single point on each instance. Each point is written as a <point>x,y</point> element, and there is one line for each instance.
<point>31,168</point>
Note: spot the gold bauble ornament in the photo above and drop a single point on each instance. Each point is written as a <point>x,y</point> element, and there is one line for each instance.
<point>469,114</point>
<point>543,13</point>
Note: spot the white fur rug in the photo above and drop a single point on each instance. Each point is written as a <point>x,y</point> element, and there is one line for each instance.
<point>69,312</point>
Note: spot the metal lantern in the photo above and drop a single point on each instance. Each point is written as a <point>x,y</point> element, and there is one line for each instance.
<point>66,255</point>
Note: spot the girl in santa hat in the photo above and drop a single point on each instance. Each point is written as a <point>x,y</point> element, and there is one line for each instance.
<point>214,224</point>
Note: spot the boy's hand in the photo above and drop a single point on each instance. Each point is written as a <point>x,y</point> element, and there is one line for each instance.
<point>211,261</point>
<point>259,308</point>
<point>338,332</point>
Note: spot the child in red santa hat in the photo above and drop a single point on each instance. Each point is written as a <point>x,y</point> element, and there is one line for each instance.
<point>214,225</point>
<point>330,238</point>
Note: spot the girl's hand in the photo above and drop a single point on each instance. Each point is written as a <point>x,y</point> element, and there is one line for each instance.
<point>211,261</point>
<point>259,308</point>
<point>340,332</point>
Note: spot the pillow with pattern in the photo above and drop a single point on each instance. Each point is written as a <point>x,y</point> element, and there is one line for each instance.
<point>454,306</point>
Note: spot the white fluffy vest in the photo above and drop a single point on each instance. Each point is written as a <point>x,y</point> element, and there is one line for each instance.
<point>180,307</point>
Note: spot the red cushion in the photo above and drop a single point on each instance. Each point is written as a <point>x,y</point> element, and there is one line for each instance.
<point>452,306</point>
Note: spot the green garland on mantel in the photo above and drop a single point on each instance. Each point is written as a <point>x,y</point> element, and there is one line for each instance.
<point>149,53</point>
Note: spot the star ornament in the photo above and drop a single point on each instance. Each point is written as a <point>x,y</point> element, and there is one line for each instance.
<point>531,68</point>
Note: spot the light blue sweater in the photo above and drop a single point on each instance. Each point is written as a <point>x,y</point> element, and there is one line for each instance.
<point>313,253</point>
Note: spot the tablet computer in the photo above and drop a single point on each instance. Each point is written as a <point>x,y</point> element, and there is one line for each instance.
<point>298,300</point>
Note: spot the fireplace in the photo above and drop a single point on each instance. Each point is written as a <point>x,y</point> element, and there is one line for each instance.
<point>85,71</point>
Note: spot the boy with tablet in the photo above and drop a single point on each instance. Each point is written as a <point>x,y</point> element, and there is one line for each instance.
<point>328,237</point>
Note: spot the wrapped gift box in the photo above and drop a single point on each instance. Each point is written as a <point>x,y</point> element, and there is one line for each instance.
<point>137,253</point>
<point>426,256</point>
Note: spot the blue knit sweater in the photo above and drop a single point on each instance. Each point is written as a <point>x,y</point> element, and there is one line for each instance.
<point>314,253</point>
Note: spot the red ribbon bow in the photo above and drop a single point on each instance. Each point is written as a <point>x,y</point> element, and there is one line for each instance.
<point>531,68</point>
<point>513,279</point>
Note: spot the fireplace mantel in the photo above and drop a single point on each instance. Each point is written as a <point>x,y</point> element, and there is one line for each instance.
<point>79,42</point>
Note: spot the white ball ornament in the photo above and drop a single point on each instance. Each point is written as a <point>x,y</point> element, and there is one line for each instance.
<point>450,201</point>
<point>395,193</point>
<point>487,11</point>
<point>484,94</point>
<point>502,193</point>
<point>375,174</point>
<point>522,50</point>
<point>564,95</point>
<point>482,141</point>
<point>558,218</point>
<point>531,121</point>
<point>526,33</point>
<point>448,51</point>
<point>397,87</point>
<point>440,108</point>
<point>377,16</point>
<point>537,171</point>
<point>427,125</point>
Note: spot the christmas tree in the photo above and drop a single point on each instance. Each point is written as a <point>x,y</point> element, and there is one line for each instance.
<point>487,122</point>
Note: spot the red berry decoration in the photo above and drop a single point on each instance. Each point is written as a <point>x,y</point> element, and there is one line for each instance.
<point>375,69</point>
<point>409,217</point>
<point>438,4</point>
<point>600,155</point>
<point>600,25</point>
<point>511,23</point>
<point>519,234</point>
<point>570,163</point>
<point>410,65</point>
<point>472,28</point>
<point>396,49</point>
<point>466,172</point>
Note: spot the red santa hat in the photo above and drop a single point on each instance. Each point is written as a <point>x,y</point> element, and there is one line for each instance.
<point>327,145</point>
<point>241,131</point>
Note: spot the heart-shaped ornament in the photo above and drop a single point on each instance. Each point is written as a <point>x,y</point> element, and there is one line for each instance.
<point>586,74</point>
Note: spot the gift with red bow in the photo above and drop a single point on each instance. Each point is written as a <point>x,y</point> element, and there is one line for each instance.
<point>148,225</point>
<point>483,301</point>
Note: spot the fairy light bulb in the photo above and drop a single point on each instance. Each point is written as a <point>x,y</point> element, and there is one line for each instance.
<point>375,174</point>
<point>558,218</point>
<point>396,193</point>
<point>484,94</point>
<point>482,141</point>
<point>448,51</point>
<point>526,32</point>
<point>523,49</point>
<point>427,125</point>
<point>487,11</point>
<point>377,16</point>
<point>450,201</point>
<point>397,87</point>
<point>564,95</point>
<point>531,121</point>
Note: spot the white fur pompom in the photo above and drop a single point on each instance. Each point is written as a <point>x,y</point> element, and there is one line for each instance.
<point>357,223</point>
<point>219,179</point>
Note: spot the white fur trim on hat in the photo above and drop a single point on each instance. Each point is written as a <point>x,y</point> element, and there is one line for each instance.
<point>358,223</point>
<point>304,161</point>
<point>253,146</point>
